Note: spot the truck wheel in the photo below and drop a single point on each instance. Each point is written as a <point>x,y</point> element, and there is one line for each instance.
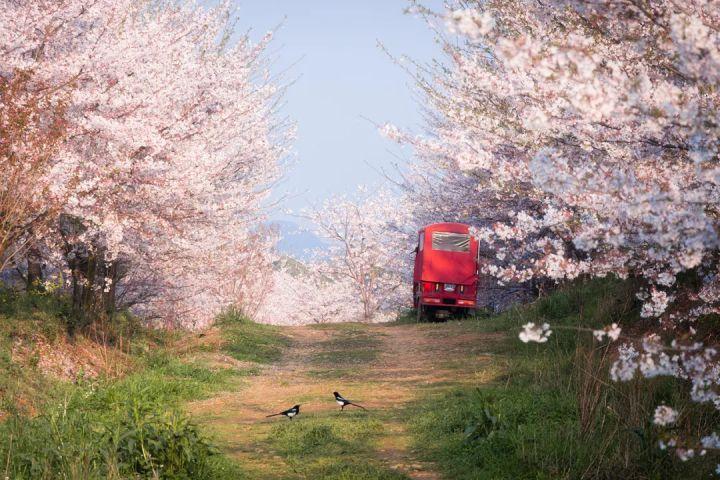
<point>419,313</point>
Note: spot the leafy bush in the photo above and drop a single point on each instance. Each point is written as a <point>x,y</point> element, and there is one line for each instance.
<point>152,444</point>
<point>75,439</point>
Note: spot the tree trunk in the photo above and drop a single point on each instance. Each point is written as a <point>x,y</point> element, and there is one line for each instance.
<point>34,271</point>
<point>109,290</point>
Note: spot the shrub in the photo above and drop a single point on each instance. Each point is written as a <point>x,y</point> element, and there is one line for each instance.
<point>140,440</point>
<point>164,445</point>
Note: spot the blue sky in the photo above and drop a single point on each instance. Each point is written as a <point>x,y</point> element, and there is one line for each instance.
<point>341,79</point>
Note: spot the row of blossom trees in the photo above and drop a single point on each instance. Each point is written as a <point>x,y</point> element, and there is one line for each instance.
<point>148,142</point>
<point>586,132</point>
<point>361,273</point>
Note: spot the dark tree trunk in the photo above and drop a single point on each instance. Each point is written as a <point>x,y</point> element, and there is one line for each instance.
<point>109,291</point>
<point>34,271</point>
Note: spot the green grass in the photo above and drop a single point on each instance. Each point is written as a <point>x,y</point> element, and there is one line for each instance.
<point>131,427</point>
<point>409,317</point>
<point>249,341</point>
<point>23,317</point>
<point>333,446</point>
<point>549,410</point>
<point>496,434</point>
<point>104,429</point>
<point>554,413</point>
<point>27,315</point>
<point>350,469</point>
<point>74,439</point>
<point>165,381</point>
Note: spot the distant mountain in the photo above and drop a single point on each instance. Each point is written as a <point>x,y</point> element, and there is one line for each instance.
<point>296,241</point>
<point>291,265</point>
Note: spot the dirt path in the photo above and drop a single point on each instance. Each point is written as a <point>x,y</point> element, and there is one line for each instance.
<point>382,367</point>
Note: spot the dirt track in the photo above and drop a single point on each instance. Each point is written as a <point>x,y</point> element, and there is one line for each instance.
<point>382,367</point>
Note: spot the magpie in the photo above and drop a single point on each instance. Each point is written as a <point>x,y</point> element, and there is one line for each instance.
<point>290,413</point>
<point>344,402</point>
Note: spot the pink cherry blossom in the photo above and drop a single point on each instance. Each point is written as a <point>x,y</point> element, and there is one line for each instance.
<point>172,144</point>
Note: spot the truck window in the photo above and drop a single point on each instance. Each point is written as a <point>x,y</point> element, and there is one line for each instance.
<point>421,241</point>
<point>451,242</point>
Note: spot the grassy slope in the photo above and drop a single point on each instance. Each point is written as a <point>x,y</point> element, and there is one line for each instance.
<point>554,413</point>
<point>118,426</point>
<point>477,403</point>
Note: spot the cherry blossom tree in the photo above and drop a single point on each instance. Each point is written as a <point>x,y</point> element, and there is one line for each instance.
<point>32,127</point>
<point>370,239</point>
<point>591,128</point>
<point>172,140</point>
<point>360,274</point>
<point>585,135</point>
<point>436,190</point>
<point>301,296</point>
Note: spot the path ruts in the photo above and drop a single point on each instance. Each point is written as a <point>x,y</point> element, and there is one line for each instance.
<point>381,366</point>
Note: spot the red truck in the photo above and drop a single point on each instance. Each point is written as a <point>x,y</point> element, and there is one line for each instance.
<point>446,271</point>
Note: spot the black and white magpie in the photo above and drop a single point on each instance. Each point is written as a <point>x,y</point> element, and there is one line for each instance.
<point>344,402</point>
<point>290,412</point>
